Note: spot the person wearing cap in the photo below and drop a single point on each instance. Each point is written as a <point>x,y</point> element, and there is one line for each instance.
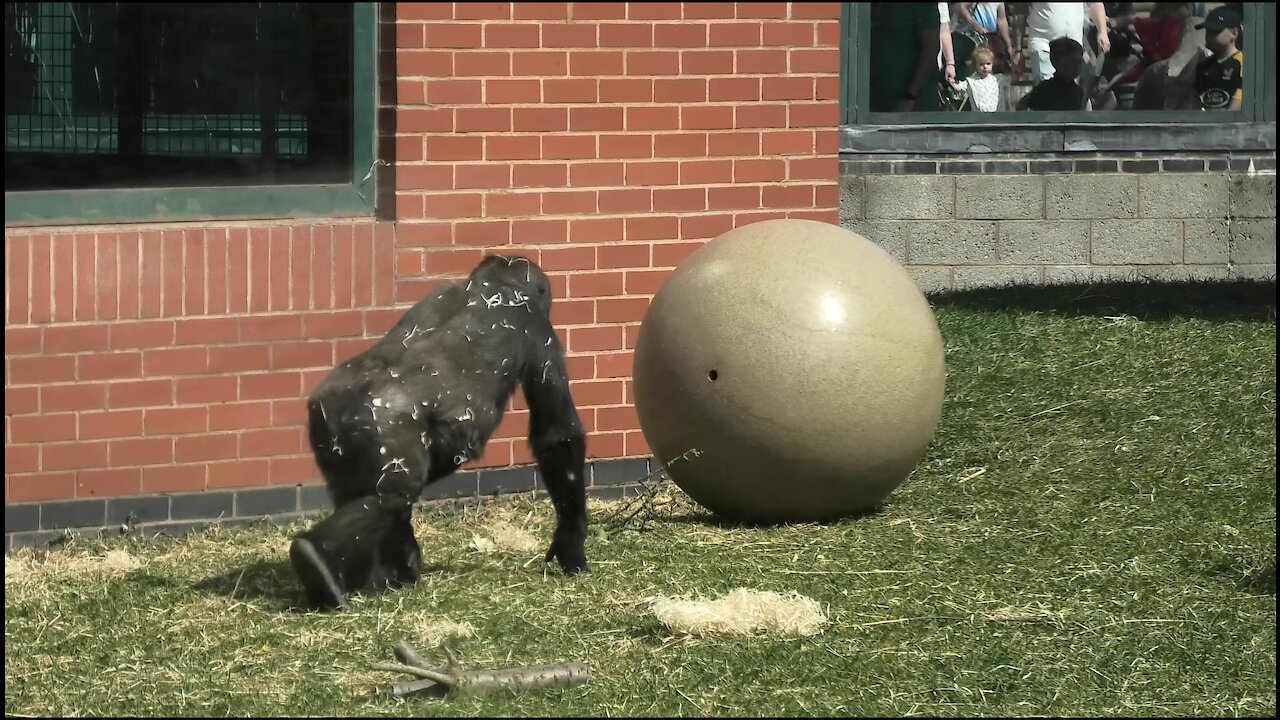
<point>1220,77</point>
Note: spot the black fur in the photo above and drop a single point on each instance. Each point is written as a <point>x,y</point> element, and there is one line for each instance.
<point>366,545</point>
<point>427,397</point>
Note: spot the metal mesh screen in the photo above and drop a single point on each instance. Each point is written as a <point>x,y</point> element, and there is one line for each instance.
<point>243,81</point>
<point>53,90</point>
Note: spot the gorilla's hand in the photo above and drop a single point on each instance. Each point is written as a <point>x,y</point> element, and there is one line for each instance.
<point>571,554</point>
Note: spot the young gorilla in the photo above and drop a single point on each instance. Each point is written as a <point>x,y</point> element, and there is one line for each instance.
<point>421,402</point>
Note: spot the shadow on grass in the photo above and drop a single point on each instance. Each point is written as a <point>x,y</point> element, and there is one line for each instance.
<point>1207,300</point>
<point>262,580</point>
<point>1262,580</point>
<point>1255,578</point>
<point>706,518</point>
<point>274,583</point>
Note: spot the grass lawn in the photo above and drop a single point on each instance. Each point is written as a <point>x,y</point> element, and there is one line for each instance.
<point>1091,533</point>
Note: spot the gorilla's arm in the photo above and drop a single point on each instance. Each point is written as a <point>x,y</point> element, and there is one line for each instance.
<point>559,445</point>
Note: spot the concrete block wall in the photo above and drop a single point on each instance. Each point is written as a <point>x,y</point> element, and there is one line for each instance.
<point>971,223</point>
<point>607,141</point>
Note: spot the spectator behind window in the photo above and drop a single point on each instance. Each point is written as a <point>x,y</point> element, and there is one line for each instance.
<point>983,86</point>
<point>986,24</point>
<point>904,49</point>
<point>1220,77</point>
<point>1060,92</point>
<point>1051,20</point>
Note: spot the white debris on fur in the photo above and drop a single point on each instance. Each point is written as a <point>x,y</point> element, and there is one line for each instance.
<point>741,612</point>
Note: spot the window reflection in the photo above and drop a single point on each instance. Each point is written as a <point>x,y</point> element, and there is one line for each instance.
<point>1003,56</point>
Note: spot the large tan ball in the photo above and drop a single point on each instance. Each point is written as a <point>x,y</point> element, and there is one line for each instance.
<point>801,361</point>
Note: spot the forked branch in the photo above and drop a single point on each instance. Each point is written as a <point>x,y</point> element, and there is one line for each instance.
<point>453,679</point>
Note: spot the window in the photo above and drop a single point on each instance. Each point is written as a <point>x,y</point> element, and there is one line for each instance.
<point>171,111</point>
<point>1157,70</point>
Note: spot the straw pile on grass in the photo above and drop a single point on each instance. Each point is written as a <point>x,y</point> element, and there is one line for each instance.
<point>502,531</point>
<point>742,612</point>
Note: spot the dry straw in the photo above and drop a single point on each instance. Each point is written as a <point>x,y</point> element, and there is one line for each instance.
<point>742,612</point>
<point>435,632</point>
<point>501,531</point>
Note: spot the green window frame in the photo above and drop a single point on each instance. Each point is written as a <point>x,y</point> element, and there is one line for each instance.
<point>352,198</point>
<point>1218,132</point>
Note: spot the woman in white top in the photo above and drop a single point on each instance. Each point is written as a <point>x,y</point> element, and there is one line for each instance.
<point>988,24</point>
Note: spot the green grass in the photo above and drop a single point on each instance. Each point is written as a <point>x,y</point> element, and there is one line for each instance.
<point>1092,533</point>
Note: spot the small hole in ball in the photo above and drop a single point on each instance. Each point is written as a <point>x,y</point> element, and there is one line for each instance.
<point>713,375</point>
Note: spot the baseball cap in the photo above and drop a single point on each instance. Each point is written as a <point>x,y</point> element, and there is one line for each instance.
<point>1221,19</point>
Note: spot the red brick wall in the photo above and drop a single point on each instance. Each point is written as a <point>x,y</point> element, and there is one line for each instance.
<point>606,141</point>
<point>142,360</point>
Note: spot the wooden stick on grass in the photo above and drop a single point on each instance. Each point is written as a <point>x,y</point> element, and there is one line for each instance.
<point>442,681</point>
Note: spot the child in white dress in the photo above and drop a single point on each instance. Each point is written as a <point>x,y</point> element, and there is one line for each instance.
<point>983,86</point>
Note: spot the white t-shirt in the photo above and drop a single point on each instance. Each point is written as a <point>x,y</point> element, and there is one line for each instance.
<point>1052,20</point>
<point>984,93</point>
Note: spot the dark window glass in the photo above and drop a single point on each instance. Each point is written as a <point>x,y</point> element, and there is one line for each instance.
<point>135,95</point>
